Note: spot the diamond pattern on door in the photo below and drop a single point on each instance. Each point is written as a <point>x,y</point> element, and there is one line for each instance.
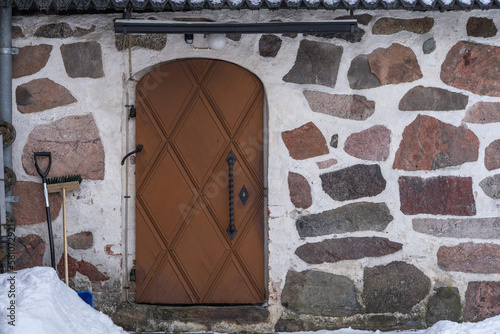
<point>251,255</point>
<point>191,114</point>
<point>201,238</point>
<point>232,283</point>
<point>152,134</point>
<point>224,78</point>
<point>155,200</point>
<point>146,233</point>
<point>168,276</point>
<point>180,91</point>
<point>199,139</point>
<point>249,140</point>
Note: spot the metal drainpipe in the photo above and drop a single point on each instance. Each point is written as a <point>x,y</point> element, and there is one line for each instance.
<point>6,85</point>
<point>6,76</point>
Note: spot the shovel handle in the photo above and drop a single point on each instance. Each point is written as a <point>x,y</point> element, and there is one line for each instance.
<point>42,154</point>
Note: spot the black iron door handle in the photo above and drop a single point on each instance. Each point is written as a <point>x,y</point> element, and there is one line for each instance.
<point>138,149</point>
<point>231,229</point>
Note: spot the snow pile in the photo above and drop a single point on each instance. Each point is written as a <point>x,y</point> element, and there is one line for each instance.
<point>36,301</point>
<point>488,326</point>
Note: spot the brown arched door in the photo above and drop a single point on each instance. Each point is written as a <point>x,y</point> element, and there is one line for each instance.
<point>199,121</point>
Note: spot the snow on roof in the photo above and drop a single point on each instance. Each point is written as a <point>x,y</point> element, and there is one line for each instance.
<point>175,5</point>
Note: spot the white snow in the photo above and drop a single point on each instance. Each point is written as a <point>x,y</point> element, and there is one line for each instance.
<point>36,301</point>
<point>178,2</point>
<point>352,2</point>
<point>488,326</point>
<point>236,3</point>
<point>331,3</point>
<point>428,2</point>
<point>410,2</point>
<point>255,3</point>
<point>312,3</point>
<point>447,2</point>
<point>486,2</point>
<point>274,2</point>
<point>158,1</point>
<point>40,303</point>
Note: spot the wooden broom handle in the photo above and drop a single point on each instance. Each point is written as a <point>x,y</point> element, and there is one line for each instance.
<point>65,238</point>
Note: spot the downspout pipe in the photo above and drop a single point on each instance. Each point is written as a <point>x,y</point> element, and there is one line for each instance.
<point>6,78</point>
<point>6,93</point>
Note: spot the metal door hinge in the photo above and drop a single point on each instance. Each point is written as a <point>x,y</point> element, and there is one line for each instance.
<point>132,275</point>
<point>132,112</point>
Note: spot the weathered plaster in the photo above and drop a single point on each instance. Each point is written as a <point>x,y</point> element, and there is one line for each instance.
<point>99,206</point>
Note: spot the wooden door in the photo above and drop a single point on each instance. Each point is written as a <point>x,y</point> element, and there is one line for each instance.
<point>190,116</point>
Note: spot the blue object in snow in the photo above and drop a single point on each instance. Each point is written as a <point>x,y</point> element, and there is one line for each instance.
<point>87,297</point>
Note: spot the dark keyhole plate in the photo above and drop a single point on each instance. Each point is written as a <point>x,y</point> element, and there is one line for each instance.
<point>243,195</point>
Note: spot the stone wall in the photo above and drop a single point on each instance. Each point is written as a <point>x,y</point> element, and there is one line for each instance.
<point>62,104</point>
<point>383,163</point>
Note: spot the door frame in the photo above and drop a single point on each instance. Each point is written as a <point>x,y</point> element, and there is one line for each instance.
<point>130,224</point>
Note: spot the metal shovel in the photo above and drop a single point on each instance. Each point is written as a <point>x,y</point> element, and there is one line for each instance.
<point>46,194</point>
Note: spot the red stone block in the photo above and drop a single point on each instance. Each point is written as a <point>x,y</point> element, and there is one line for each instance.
<point>305,142</point>
<point>29,251</point>
<point>30,60</point>
<point>443,195</point>
<point>326,164</point>
<point>83,267</point>
<point>31,206</point>
<point>394,65</point>
<point>429,144</point>
<point>89,270</point>
<point>492,155</point>
<point>42,94</point>
<point>72,267</point>
<point>482,300</point>
<point>483,113</point>
<point>82,240</point>
<point>75,144</point>
<point>473,67</point>
<point>371,144</point>
<point>470,258</point>
<point>355,107</point>
<point>300,190</point>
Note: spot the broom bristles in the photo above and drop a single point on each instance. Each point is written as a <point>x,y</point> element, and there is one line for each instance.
<point>65,178</point>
